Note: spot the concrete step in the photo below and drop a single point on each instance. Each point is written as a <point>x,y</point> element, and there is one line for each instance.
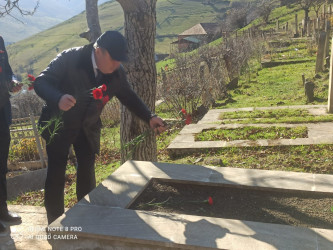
<point>30,234</point>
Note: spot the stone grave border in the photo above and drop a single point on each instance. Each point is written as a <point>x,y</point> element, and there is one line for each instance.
<point>184,143</point>
<point>102,221</point>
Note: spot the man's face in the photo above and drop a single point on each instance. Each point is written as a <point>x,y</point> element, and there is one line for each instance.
<point>104,61</point>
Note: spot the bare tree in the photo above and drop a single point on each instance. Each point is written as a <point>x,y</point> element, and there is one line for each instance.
<point>265,9</point>
<point>140,31</point>
<point>237,15</point>
<point>236,18</point>
<point>94,28</point>
<point>316,4</point>
<point>305,5</point>
<point>9,6</point>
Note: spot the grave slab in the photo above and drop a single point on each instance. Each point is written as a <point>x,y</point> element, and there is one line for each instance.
<point>184,143</point>
<point>102,221</point>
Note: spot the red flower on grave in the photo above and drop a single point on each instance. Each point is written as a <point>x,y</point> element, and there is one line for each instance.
<point>2,51</point>
<point>97,94</point>
<point>183,111</point>
<point>0,69</point>
<point>210,200</point>
<point>103,87</point>
<point>188,119</point>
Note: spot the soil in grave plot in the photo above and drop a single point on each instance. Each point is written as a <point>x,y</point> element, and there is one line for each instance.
<point>289,207</point>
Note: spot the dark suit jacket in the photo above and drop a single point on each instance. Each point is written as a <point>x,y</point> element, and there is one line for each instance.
<point>6,75</point>
<point>71,72</point>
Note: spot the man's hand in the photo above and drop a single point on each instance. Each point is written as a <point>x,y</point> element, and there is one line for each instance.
<point>66,102</point>
<point>15,86</point>
<point>157,124</point>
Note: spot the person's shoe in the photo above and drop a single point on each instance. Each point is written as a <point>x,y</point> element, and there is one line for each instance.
<point>10,217</point>
<point>2,227</point>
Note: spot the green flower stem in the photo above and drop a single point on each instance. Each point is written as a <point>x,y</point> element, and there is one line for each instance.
<point>52,126</point>
<point>158,204</point>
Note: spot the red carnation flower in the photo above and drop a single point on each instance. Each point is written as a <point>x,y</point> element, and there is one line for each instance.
<point>97,94</point>
<point>31,78</point>
<point>183,111</point>
<point>31,86</point>
<point>103,87</point>
<point>188,119</point>
<point>210,200</point>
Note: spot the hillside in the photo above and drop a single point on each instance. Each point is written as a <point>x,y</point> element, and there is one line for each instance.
<point>34,53</point>
<point>49,13</point>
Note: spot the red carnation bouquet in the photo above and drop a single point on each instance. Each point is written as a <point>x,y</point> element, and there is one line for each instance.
<point>99,94</point>
<point>31,79</point>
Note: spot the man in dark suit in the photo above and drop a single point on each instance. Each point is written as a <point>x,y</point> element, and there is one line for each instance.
<point>66,86</point>
<point>7,84</point>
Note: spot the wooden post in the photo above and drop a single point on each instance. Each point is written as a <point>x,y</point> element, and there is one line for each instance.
<point>277,25</point>
<point>296,26</point>
<point>37,138</point>
<point>327,41</point>
<point>303,79</point>
<point>303,31</point>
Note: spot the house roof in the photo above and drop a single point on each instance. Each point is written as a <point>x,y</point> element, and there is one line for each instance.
<point>201,29</point>
<point>189,39</point>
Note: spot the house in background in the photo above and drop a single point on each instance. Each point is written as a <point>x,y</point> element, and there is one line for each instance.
<point>197,35</point>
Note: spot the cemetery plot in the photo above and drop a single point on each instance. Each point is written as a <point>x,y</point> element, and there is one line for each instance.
<point>311,127</point>
<point>106,222</point>
<point>252,133</point>
<point>289,207</point>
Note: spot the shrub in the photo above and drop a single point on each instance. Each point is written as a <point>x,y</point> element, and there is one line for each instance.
<point>25,150</point>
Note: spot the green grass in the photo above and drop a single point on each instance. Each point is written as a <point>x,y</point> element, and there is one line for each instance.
<point>275,113</point>
<point>252,133</point>
<point>280,85</point>
<point>273,116</point>
<point>308,159</point>
<point>173,17</point>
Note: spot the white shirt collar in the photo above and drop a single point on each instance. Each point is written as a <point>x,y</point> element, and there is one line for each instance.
<point>94,62</point>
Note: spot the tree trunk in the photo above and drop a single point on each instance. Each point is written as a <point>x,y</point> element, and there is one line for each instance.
<point>94,28</point>
<point>306,17</point>
<point>140,31</point>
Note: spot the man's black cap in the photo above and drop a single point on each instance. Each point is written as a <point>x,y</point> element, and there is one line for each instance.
<point>115,43</point>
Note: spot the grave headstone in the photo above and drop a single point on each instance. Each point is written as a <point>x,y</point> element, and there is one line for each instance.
<point>321,52</point>
<point>309,90</point>
<point>207,97</point>
<point>330,89</point>
<point>296,26</point>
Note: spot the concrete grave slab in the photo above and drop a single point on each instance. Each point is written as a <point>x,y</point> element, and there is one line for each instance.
<point>184,143</point>
<point>102,221</point>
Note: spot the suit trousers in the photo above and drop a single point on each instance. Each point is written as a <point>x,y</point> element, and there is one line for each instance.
<point>57,152</point>
<point>4,149</point>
